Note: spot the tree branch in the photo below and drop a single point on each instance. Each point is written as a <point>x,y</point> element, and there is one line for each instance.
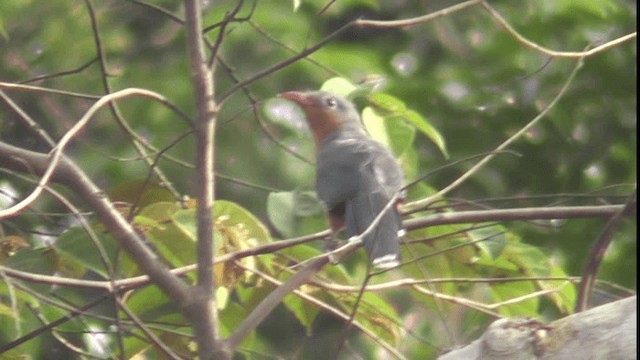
<point>478,216</point>
<point>475,168</point>
<point>599,248</point>
<point>382,24</point>
<point>565,54</point>
<point>203,315</point>
<point>67,173</point>
<point>523,214</point>
<point>274,298</point>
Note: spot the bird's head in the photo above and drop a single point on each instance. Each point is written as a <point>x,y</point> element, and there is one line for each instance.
<point>325,112</point>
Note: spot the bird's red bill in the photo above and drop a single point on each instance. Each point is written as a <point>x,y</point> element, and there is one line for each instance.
<point>295,96</point>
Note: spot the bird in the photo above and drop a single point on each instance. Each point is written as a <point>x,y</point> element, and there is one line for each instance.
<point>356,176</point>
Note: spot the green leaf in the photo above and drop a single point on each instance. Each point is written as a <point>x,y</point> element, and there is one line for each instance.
<point>75,250</point>
<point>535,263</point>
<point>232,214</point>
<point>387,104</point>
<point>376,315</point>
<point>39,261</point>
<point>531,260</point>
<point>375,125</point>
<point>289,210</point>
<point>395,111</point>
<point>6,311</point>
<point>303,311</point>
<point>339,86</point>
<point>512,290</point>
<point>565,299</point>
<point>427,129</point>
<point>281,212</point>
<point>599,8</point>
<point>141,192</point>
<point>185,220</point>
<point>3,31</point>
<point>222,297</point>
<point>491,240</point>
<point>401,136</point>
<point>175,235</point>
<point>238,229</point>
<point>231,318</point>
<point>150,302</point>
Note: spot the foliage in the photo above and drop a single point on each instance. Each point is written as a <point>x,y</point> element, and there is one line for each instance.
<point>436,93</point>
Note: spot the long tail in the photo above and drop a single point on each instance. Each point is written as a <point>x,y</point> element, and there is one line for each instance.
<point>382,244</point>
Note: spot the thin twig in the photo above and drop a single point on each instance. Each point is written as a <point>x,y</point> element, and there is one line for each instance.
<point>474,169</point>
<point>381,24</point>
<point>281,65</point>
<point>461,217</point>
<point>138,142</point>
<point>58,152</point>
<point>61,73</point>
<point>43,329</point>
<point>599,249</point>
<point>565,54</point>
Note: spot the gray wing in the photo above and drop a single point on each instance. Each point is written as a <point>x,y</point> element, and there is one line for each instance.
<point>347,165</point>
<point>356,178</point>
<point>344,161</point>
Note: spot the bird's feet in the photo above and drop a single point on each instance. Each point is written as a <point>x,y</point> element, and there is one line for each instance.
<point>331,245</point>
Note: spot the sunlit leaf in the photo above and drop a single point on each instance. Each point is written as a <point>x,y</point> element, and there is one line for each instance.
<point>338,86</point>
<point>281,211</point>
<point>239,230</point>
<point>374,123</point>
<point>387,104</point>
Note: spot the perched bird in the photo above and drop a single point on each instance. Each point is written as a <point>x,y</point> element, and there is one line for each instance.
<point>356,177</point>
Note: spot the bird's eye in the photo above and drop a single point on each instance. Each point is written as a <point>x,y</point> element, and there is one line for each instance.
<point>331,102</point>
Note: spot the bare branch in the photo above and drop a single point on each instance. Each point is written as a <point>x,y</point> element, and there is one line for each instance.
<point>417,20</point>
<point>77,70</point>
<point>281,65</point>
<point>166,350</point>
<point>57,153</point>
<point>203,314</point>
<point>12,86</point>
<point>69,174</point>
<point>479,216</point>
<point>599,248</point>
<point>330,309</point>
<point>31,124</point>
<point>565,212</point>
<point>474,169</point>
<point>272,300</point>
<point>566,54</point>
<point>137,142</point>
<point>24,338</point>
<point>381,24</point>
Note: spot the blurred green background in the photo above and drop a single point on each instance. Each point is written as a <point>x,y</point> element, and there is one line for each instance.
<point>462,73</point>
